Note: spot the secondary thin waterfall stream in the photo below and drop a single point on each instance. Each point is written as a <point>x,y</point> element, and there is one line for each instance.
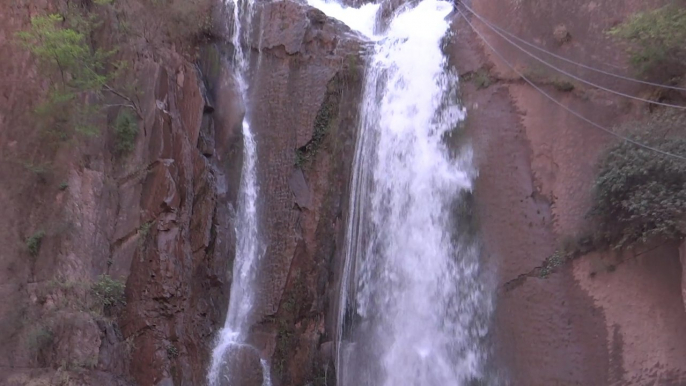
<point>413,309</point>
<point>226,356</point>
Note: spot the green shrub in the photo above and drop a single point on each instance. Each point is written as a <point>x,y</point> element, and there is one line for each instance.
<point>40,338</point>
<point>562,85</point>
<point>125,131</point>
<point>640,194</point>
<point>323,123</point>
<point>172,352</point>
<point>482,79</point>
<point>658,41</point>
<point>109,292</point>
<point>79,72</point>
<point>33,243</point>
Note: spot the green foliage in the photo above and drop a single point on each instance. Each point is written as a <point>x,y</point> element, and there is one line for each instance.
<point>125,130</point>
<point>562,85</point>
<point>658,41</point>
<point>40,338</point>
<point>326,115</point>
<point>109,292</point>
<point>640,194</point>
<point>78,71</point>
<point>33,243</point>
<point>481,78</point>
<point>63,185</point>
<point>172,352</point>
<point>40,170</point>
<point>144,232</point>
<point>552,262</point>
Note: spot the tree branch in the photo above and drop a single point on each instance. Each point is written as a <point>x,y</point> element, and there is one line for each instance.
<point>133,105</point>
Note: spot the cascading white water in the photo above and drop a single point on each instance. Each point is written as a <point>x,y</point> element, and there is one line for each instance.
<point>226,354</point>
<point>413,309</point>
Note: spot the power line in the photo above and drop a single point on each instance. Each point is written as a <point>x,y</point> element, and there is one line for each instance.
<point>512,67</point>
<point>578,78</point>
<point>506,32</point>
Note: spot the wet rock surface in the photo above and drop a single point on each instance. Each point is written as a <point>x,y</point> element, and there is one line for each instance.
<point>306,84</point>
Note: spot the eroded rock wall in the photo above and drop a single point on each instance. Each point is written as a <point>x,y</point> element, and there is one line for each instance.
<point>159,219</point>
<point>306,85</point>
<point>601,319</point>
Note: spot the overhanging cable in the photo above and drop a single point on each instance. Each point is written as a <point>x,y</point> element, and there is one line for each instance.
<point>532,84</point>
<point>578,78</point>
<point>627,78</point>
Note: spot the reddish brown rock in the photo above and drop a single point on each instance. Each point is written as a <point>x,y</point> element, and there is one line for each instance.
<point>585,322</point>
<point>158,219</point>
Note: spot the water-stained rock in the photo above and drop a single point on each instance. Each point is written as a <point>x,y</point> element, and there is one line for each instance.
<point>302,51</point>
<point>306,85</point>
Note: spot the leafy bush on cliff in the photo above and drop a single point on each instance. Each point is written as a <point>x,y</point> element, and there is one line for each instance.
<point>39,339</point>
<point>109,292</point>
<point>79,73</point>
<point>640,194</point>
<point>125,131</point>
<point>78,70</point>
<point>658,41</point>
<point>33,243</point>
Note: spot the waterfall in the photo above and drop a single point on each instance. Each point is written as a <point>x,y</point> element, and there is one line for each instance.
<point>413,307</point>
<point>231,348</point>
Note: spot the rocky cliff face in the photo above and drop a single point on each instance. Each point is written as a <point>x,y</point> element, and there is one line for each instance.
<point>306,83</point>
<point>158,219</point>
<point>602,318</point>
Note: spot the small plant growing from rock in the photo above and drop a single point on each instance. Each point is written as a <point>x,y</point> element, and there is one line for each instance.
<point>144,232</point>
<point>562,85</point>
<point>125,131</point>
<point>482,79</point>
<point>33,243</point>
<point>327,114</point>
<point>40,341</point>
<point>172,352</point>
<point>109,292</point>
<point>552,262</point>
